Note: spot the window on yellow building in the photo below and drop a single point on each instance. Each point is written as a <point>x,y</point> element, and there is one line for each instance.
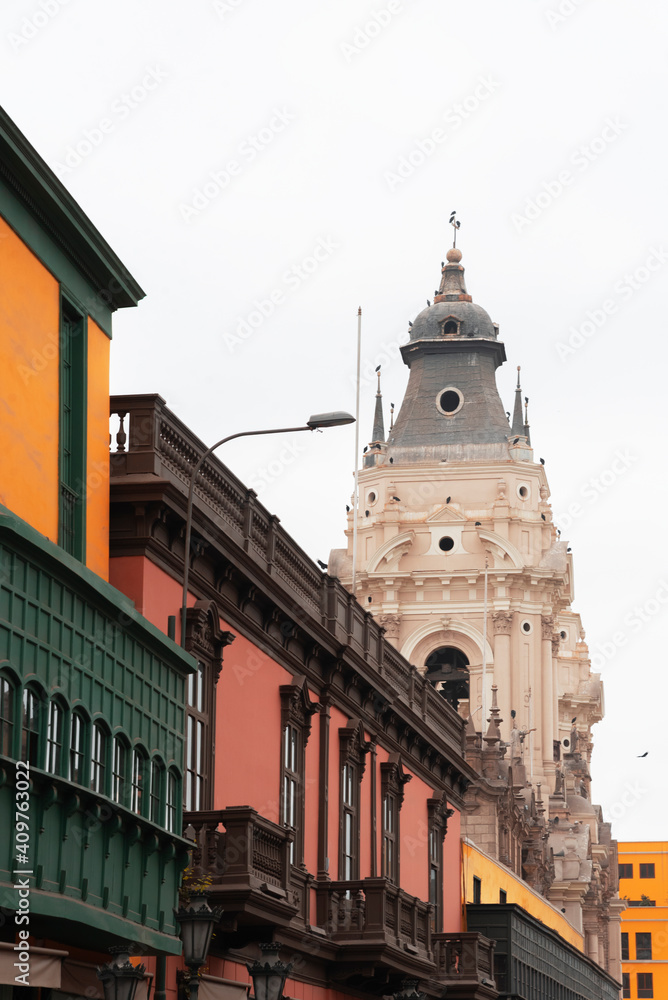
<point>647,871</point>
<point>502,896</point>
<point>625,946</point>
<point>645,985</point>
<point>626,984</point>
<point>626,871</point>
<point>643,947</point>
<point>72,439</point>
<point>477,889</point>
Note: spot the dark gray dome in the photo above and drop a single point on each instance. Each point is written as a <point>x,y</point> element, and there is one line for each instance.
<point>472,320</point>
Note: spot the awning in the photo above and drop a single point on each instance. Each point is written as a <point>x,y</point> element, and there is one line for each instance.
<point>212,988</point>
<point>80,979</point>
<point>44,966</point>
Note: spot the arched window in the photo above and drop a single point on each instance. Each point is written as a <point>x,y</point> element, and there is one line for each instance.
<point>119,764</point>
<point>156,813</point>
<point>54,736</point>
<point>172,795</point>
<point>448,671</point>
<point>30,727</point>
<point>98,759</point>
<point>78,742</point>
<point>7,699</point>
<point>138,780</point>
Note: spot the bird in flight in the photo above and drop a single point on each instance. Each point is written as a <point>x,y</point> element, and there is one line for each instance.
<point>321,564</point>
<point>643,754</point>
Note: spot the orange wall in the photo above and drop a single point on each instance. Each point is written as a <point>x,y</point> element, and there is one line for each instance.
<point>452,875</point>
<point>248,730</point>
<point>97,452</point>
<point>29,328</point>
<point>646,919</point>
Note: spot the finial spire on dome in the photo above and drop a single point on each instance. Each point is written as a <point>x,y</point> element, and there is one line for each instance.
<point>526,419</point>
<point>517,425</point>
<point>378,433</point>
<point>455,225</point>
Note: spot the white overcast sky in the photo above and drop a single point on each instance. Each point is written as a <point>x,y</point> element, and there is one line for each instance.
<point>550,144</point>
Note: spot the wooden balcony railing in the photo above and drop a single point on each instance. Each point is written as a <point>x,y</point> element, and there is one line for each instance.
<point>248,862</point>
<point>374,911</point>
<point>466,958</point>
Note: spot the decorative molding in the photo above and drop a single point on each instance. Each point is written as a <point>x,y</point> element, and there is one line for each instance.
<point>547,626</point>
<point>393,777</point>
<point>297,708</point>
<point>388,555</point>
<point>354,747</point>
<point>391,623</point>
<point>439,812</point>
<point>503,622</point>
<point>204,637</point>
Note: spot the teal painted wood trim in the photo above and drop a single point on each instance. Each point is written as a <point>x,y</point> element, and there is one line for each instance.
<point>57,212</point>
<point>93,863</point>
<point>72,450</point>
<point>28,229</point>
<point>16,532</point>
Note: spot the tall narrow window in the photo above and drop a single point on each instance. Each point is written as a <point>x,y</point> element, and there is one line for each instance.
<point>155,792</point>
<point>644,947</point>
<point>438,813</point>
<point>54,738</point>
<point>205,640</point>
<point>72,515</point>
<point>30,728</point>
<point>171,803</point>
<point>77,753</point>
<point>626,984</point>
<point>477,889</point>
<point>137,783</point>
<point>291,781</point>
<point>118,775</point>
<point>296,712</point>
<point>392,781</point>
<point>353,759</point>
<point>6,718</point>
<point>625,946</point>
<point>645,985</point>
<point>98,763</point>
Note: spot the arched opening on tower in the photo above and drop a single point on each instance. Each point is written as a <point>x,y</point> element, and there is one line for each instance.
<point>448,671</point>
<point>451,328</point>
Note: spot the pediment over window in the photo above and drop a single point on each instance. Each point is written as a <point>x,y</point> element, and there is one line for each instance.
<point>439,812</point>
<point>393,777</point>
<point>204,637</point>
<point>444,515</point>
<point>390,552</point>
<point>354,747</point>
<point>297,709</point>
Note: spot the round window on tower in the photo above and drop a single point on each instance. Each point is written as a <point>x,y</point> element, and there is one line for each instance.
<point>523,491</point>
<point>446,544</point>
<point>526,627</point>
<point>449,401</point>
<point>371,497</point>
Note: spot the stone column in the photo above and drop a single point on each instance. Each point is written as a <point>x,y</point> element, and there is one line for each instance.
<point>549,687</point>
<point>615,908</point>
<point>502,622</point>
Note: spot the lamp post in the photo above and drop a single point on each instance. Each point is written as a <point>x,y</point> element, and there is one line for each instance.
<point>269,976</point>
<point>120,977</point>
<point>320,420</point>
<point>197,922</point>
<point>409,991</point>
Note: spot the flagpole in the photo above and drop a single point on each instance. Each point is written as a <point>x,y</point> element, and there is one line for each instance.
<point>357,444</point>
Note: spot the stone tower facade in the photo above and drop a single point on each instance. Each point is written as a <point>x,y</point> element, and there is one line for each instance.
<point>458,558</point>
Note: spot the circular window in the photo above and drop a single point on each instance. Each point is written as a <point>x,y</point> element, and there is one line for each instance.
<point>523,491</point>
<point>446,543</point>
<point>563,635</point>
<point>371,497</point>
<point>449,401</point>
<point>526,628</point>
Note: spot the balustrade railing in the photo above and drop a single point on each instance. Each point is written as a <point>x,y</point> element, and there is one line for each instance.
<point>467,957</point>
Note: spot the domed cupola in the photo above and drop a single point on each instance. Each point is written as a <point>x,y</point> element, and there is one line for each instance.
<point>452,409</point>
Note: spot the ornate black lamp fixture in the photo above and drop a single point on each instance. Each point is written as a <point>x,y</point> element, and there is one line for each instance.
<point>197,922</point>
<point>269,976</point>
<point>409,991</point>
<point>120,977</point>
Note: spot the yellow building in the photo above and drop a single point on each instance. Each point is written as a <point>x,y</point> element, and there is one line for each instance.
<point>643,882</point>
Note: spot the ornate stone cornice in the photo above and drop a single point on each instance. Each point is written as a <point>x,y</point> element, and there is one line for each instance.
<point>503,622</point>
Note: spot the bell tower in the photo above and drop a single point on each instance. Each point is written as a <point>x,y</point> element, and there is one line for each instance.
<point>457,554</point>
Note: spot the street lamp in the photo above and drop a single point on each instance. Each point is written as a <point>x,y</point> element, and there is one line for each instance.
<point>319,420</point>
<point>197,922</point>
<point>269,976</point>
<point>120,977</point>
<point>409,991</point>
